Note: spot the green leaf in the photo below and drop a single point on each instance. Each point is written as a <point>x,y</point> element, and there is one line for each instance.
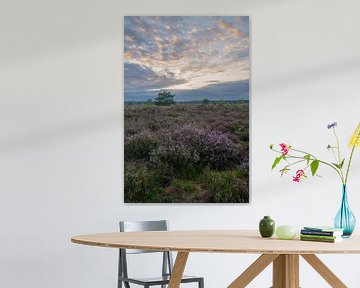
<point>271,146</point>
<point>339,166</point>
<point>336,165</point>
<point>307,157</point>
<point>314,166</point>
<point>276,161</point>
<point>342,163</point>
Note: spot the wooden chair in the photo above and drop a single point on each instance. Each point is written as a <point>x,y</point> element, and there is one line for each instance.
<point>167,262</point>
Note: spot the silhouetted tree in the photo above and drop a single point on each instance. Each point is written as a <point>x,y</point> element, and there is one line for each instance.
<point>165,98</point>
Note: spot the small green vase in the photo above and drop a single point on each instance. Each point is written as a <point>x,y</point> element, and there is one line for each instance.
<point>267,227</point>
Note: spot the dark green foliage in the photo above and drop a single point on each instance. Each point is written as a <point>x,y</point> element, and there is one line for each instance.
<point>140,145</point>
<point>141,184</point>
<point>206,101</point>
<point>314,166</point>
<point>183,191</point>
<point>229,186</point>
<point>242,133</point>
<point>165,98</point>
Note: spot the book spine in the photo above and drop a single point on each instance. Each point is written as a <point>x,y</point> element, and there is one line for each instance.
<point>317,239</point>
<point>320,236</point>
<point>320,233</point>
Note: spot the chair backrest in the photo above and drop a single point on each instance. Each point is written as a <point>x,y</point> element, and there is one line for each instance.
<point>137,226</point>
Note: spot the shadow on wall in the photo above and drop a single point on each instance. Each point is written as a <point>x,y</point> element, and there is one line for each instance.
<point>309,75</point>
<point>68,24</point>
<point>56,134</point>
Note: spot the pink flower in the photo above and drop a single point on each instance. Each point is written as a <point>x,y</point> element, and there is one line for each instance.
<point>300,174</point>
<point>284,148</point>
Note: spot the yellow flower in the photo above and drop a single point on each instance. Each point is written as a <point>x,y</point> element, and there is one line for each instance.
<point>355,137</point>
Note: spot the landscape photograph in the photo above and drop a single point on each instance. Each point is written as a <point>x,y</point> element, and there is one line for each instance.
<point>186,110</point>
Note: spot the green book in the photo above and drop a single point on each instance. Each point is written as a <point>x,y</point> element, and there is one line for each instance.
<point>319,236</point>
<point>321,239</point>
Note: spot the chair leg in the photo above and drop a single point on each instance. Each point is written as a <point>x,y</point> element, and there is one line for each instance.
<point>201,283</point>
<point>120,270</point>
<point>126,284</point>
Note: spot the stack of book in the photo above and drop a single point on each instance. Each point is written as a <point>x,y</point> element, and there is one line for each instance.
<point>321,234</point>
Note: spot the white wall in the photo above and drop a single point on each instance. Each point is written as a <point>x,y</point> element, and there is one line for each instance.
<point>61,126</point>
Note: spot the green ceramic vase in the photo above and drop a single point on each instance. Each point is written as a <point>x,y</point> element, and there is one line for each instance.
<point>266,227</point>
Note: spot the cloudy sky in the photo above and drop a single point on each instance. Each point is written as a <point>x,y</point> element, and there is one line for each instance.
<point>196,57</point>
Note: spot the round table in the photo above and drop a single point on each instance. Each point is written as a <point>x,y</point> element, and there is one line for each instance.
<point>284,254</point>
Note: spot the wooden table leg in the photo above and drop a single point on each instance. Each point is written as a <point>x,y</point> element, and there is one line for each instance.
<point>324,271</point>
<point>178,269</point>
<point>286,271</point>
<point>293,264</point>
<point>253,270</point>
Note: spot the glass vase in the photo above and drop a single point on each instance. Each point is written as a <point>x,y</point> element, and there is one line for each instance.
<point>345,219</point>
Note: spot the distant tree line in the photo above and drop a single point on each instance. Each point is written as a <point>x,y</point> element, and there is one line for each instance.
<point>166,98</point>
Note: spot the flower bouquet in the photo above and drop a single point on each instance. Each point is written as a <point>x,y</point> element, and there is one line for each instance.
<point>292,157</point>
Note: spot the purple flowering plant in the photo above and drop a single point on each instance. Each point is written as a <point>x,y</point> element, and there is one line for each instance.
<point>198,146</point>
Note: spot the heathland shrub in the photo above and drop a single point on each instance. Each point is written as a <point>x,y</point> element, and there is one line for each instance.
<point>184,191</point>
<point>242,133</point>
<point>229,186</point>
<point>140,145</point>
<point>174,159</point>
<point>141,184</point>
<point>214,149</point>
<point>185,152</point>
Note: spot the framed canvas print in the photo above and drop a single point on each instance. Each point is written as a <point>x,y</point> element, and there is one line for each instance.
<point>186,92</point>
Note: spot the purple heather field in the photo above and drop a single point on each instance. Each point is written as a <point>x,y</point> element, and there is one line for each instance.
<point>187,153</point>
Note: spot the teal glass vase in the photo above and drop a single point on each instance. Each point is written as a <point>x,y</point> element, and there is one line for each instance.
<point>345,219</point>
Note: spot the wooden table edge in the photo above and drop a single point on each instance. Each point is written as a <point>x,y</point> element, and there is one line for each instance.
<point>207,250</point>
<point>285,262</point>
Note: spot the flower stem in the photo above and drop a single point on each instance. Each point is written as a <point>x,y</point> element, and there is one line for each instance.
<point>304,152</point>
<point>348,167</point>
<point>333,152</point>
<point>338,171</point>
<point>296,162</point>
<point>338,146</point>
<point>313,158</point>
<point>339,156</point>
